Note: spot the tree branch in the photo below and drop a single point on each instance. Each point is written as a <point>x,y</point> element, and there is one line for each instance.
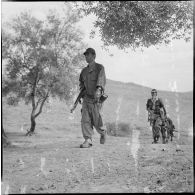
<point>34,90</point>
<point>39,100</point>
<point>42,103</point>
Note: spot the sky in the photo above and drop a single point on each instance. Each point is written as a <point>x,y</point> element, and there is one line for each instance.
<point>168,68</point>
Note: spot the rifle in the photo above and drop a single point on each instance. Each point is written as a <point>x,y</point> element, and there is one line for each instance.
<point>81,95</point>
<point>78,100</point>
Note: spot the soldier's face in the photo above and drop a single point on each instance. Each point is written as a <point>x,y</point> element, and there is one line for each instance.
<point>89,57</point>
<point>154,95</point>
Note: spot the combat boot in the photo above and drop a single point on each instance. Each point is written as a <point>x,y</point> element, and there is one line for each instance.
<point>86,144</point>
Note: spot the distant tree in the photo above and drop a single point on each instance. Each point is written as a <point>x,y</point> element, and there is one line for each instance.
<point>5,139</point>
<point>138,24</point>
<point>41,59</point>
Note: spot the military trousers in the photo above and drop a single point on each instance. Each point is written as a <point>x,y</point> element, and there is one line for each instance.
<point>156,127</point>
<point>90,117</point>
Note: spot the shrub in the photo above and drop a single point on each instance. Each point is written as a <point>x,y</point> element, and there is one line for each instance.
<point>121,129</point>
<point>12,101</point>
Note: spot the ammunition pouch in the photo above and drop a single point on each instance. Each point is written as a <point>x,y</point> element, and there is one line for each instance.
<point>103,98</point>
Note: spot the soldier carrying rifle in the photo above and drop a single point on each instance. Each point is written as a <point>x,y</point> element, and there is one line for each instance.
<point>157,117</point>
<point>92,85</point>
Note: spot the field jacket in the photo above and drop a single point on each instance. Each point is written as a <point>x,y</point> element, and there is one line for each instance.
<point>155,106</point>
<point>91,78</point>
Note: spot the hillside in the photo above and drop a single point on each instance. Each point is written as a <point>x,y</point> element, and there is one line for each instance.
<point>132,98</point>
<point>126,103</point>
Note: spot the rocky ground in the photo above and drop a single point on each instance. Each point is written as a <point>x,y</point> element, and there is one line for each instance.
<point>52,162</point>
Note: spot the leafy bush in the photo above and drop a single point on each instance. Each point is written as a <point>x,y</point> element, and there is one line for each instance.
<point>12,101</point>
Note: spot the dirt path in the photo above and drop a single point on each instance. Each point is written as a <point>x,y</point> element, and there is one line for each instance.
<point>55,164</point>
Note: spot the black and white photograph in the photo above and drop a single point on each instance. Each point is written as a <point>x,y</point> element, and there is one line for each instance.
<point>97,97</point>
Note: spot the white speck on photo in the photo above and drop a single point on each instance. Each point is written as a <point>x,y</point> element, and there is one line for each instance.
<point>146,190</point>
<point>119,100</point>
<point>137,109</point>
<point>43,165</point>
<point>135,145</point>
<point>92,165</point>
<point>22,128</point>
<point>190,131</point>
<point>71,116</point>
<point>7,189</point>
<point>23,189</point>
<point>108,166</point>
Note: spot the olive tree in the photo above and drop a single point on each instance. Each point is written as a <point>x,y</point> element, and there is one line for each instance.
<point>41,59</point>
<point>139,24</point>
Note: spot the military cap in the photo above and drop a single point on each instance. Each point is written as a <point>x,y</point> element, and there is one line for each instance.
<point>154,91</point>
<point>89,50</point>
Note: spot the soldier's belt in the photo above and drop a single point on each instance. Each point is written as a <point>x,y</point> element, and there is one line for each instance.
<point>89,96</point>
<point>154,116</point>
<point>89,99</point>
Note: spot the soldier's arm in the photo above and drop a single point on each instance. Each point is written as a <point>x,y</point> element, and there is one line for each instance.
<point>147,106</point>
<point>81,81</point>
<point>101,81</point>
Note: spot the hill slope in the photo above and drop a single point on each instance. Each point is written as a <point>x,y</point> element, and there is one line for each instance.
<point>126,103</point>
<point>130,99</point>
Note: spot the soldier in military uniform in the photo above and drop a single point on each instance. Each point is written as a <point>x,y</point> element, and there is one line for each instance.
<point>154,107</point>
<point>93,80</point>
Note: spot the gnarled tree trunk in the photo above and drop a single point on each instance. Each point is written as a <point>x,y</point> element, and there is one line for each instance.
<point>35,106</point>
<point>6,142</point>
<point>33,125</point>
<point>33,115</point>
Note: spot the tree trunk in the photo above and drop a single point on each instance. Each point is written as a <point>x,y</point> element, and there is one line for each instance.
<point>34,107</point>
<point>6,142</point>
<point>3,132</point>
<point>32,128</point>
<point>33,124</point>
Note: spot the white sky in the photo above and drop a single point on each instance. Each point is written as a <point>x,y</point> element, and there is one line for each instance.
<point>168,68</point>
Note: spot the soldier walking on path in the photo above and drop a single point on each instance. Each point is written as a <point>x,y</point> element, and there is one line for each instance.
<point>92,81</point>
<point>156,115</point>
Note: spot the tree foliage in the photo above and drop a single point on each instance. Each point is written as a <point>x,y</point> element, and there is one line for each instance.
<point>138,24</point>
<point>42,58</point>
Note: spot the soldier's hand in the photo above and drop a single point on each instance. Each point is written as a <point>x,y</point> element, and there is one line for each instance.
<point>98,93</point>
<point>72,109</point>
